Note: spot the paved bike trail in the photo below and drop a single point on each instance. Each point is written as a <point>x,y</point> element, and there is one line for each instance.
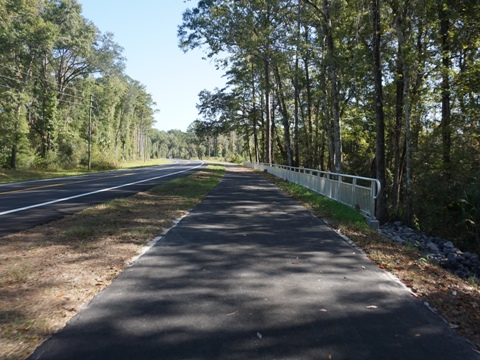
<point>251,274</point>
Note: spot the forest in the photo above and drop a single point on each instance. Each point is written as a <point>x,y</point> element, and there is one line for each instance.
<point>386,89</point>
<point>65,100</point>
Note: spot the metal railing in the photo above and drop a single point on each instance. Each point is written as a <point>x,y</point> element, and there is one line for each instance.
<point>355,191</point>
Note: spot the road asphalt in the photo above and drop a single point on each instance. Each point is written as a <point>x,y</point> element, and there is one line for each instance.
<point>252,274</point>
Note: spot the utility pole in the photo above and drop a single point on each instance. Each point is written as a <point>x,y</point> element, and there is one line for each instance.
<point>145,146</point>
<point>143,136</point>
<point>90,134</point>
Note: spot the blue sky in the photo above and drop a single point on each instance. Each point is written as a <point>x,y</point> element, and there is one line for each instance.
<point>147,30</point>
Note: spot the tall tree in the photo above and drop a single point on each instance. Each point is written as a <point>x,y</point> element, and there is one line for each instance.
<point>381,209</point>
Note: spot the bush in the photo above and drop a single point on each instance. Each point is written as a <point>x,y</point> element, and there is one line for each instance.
<point>236,159</point>
<point>49,162</point>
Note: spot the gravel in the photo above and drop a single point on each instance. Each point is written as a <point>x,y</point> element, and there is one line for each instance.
<point>442,252</point>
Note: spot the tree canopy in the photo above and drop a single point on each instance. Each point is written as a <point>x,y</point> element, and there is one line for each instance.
<point>387,89</point>
<point>53,62</point>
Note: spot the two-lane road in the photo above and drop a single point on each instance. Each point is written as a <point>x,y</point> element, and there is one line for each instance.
<point>27,204</point>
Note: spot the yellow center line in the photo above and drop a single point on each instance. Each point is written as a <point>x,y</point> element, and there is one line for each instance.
<point>62,184</point>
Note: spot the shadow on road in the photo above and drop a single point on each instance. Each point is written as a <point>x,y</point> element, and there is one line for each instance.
<point>250,274</point>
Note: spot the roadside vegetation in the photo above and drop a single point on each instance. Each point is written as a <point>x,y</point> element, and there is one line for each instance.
<point>455,300</point>
<point>388,90</point>
<point>49,272</point>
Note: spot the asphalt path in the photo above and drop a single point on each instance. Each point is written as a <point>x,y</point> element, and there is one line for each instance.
<point>27,204</point>
<point>251,274</point>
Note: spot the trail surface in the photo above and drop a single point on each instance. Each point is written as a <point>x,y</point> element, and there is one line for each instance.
<point>251,274</point>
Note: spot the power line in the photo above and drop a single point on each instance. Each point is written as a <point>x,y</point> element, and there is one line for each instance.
<point>59,100</point>
<point>55,91</point>
<point>50,82</point>
<point>6,87</point>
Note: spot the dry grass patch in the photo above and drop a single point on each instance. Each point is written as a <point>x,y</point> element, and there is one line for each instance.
<point>49,272</point>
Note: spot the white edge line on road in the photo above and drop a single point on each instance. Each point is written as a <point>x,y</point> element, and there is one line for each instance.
<point>95,192</point>
<point>90,174</point>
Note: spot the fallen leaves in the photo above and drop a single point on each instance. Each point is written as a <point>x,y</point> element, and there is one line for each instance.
<point>429,282</point>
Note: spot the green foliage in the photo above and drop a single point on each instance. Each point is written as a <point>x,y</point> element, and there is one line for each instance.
<point>236,159</point>
<point>194,187</point>
<point>340,215</point>
<point>53,61</point>
<point>312,62</point>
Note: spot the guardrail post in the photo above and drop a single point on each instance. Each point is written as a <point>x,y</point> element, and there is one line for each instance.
<point>339,183</point>
<point>372,199</point>
<point>354,193</point>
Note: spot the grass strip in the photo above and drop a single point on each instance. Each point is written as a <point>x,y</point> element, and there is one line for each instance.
<point>338,215</point>
<point>49,272</point>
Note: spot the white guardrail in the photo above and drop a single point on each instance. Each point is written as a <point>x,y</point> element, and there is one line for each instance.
<point>355,191</point>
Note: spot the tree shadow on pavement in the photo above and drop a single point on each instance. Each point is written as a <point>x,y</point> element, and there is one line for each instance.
<point>250,274</point>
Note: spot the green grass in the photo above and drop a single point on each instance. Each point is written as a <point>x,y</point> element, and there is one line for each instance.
<point>19,273</point>
<point>194,187</point>
<point>7,176</point>
<point>140,163</point>
<point>340,216</point>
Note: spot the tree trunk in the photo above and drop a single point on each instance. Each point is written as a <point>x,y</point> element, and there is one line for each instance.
<point>268,136</point>
<point>319,150</point>
<point>297,90</point>
<point>381,210</point>
<point>255,134</point>
<point>286,123</point>
<point>446,107</point>
<point>310,136</point>
<point>263,127</point>
<point>14,150</point>
<point>296,120</point>
<point>408,141</point>
<point>398,132</point>
<point>337,136</point>
<point>406,109</point>
<point>328,125</point>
